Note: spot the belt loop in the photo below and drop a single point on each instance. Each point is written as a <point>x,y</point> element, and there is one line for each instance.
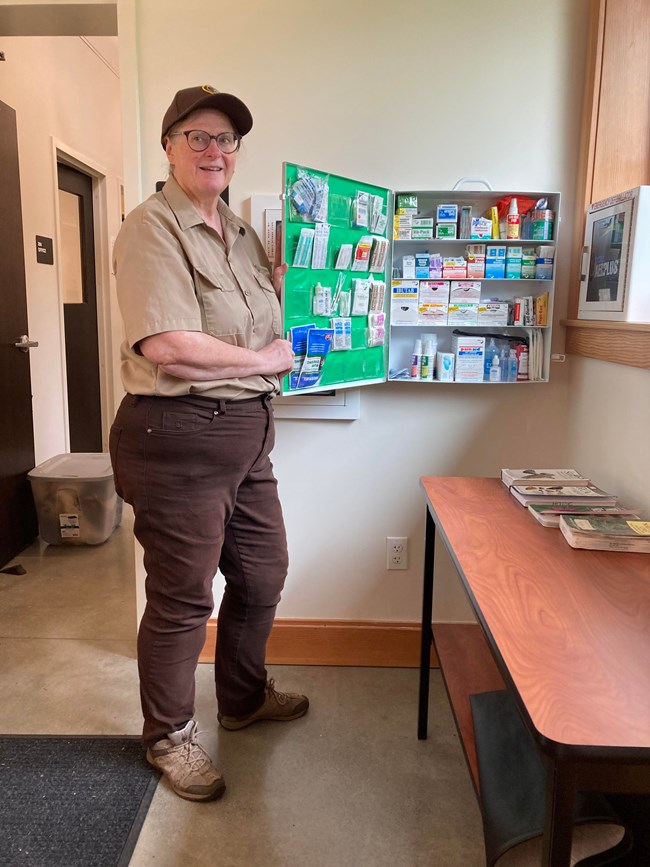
<point>221,404</point>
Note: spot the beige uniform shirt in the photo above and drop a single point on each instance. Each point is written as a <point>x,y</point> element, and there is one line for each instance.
<point>175,273</point>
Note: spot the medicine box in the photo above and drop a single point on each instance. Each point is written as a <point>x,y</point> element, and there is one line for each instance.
<point>465,290</point>
<point>421,266</point>
<point>495,262</point>
<point>480,227</point>
<point>528,264</point>
<point>460,313</point>
<point>447,213</point>
<point>445,366</point>
<point>422,222</point>
<point>75,497</point>
<point>421,234</point>
<point>493,313</point>
<point>404,302</point>
<point>469,353</point>
<point>446,230</point>
<point>408,267</point>
<point>475,261</point>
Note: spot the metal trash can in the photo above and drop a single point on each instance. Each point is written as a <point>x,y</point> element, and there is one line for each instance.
<point>75,497</point>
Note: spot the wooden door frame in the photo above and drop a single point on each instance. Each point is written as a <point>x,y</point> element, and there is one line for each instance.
<point>62,153</point>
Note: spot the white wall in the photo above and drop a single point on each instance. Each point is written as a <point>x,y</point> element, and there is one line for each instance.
<point>64,94</point>
<point>609,425</point>
<point>408,95</point>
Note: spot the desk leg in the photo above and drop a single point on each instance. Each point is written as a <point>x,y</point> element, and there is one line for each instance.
<point>559,814</point>
<point>427,633</point>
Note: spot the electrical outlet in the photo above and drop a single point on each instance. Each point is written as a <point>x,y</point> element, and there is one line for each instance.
<point>397,552</point>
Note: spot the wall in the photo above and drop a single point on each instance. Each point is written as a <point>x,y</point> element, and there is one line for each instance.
<point>63,92</point>
<point>409,95</point>
<point>608,426</point>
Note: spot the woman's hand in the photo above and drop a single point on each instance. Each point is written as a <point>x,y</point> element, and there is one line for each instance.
<point>278,278</point>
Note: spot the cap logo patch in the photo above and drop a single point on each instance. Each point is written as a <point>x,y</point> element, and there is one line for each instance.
<point>209,89</point>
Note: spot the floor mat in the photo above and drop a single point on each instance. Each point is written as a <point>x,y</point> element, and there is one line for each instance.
<point>72,801</point>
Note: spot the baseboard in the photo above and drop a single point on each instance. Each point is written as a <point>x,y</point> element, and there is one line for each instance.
<point>336,642</point>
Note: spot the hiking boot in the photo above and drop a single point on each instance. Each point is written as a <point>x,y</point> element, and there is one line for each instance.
<point>279,706</point>
<point>186,765</point>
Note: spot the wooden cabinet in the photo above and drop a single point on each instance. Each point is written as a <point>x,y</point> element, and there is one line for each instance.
<point>615,153</point>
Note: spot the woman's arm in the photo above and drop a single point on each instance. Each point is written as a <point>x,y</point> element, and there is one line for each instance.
<point>201,357</point>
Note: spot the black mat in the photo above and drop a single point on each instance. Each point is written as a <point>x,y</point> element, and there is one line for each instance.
<point>72,801</point>
<point>512,779</point>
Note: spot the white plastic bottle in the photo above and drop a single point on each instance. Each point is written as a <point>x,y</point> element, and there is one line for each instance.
<point>513,221</point>
<point>495,370</point>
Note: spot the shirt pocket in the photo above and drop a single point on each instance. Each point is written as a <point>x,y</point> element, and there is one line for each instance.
<point>263,277</point>
<point>225,315</point>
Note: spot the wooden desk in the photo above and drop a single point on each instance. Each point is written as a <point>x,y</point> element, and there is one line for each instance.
<point>566,631</point>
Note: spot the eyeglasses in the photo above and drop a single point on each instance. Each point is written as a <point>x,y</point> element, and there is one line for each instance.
<point>199,140</point>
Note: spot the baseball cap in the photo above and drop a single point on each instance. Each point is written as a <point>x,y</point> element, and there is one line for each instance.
<point>205,96</point>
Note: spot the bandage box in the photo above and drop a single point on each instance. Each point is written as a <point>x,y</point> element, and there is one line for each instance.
<point>469,353</point>
<point>480,227</point>
<point>422,222</point>
<point>476,261</point>
<point>421,234</point>
<point>402,234</point>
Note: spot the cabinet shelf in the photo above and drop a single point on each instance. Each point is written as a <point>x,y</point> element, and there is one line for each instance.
<point>403,337</point>
<point>509,242</point>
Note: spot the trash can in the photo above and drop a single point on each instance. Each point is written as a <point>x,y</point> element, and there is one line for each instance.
<point>75,497</point>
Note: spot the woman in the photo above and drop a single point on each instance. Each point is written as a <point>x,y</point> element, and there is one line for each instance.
<point>190,444</point>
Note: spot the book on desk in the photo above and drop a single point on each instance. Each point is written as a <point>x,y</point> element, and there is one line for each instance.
<point>548,514</point>
<point>606,533</point>
<point>551,477</point>
<point>589,494</point>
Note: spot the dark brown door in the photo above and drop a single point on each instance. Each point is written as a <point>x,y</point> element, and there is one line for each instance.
<point>18,525</point>
<point>80,309</point>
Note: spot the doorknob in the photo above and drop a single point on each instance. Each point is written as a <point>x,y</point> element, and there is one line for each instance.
<point>25,344</point>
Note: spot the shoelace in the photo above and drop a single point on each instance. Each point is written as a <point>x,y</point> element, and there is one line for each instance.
<point>281,697</point>
<point>193,753</point>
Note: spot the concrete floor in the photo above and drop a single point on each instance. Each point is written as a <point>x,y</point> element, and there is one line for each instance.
<point>348,785</point>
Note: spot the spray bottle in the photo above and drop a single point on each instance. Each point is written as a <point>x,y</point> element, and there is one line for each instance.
<point>513,221</point>
<point>416,359</point>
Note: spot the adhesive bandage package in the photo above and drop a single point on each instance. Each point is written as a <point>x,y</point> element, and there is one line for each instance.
<point>319,343</point>
<point>302,257</point>
<point>342,333</point>
<point>298,337</point>
<point>361,297</point>
<point>344,258</point>
<point>362,254</point>
<point>360,205</point>
<point>319,254</point>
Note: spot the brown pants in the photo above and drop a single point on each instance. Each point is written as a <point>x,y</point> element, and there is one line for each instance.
<point>198,475</point>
